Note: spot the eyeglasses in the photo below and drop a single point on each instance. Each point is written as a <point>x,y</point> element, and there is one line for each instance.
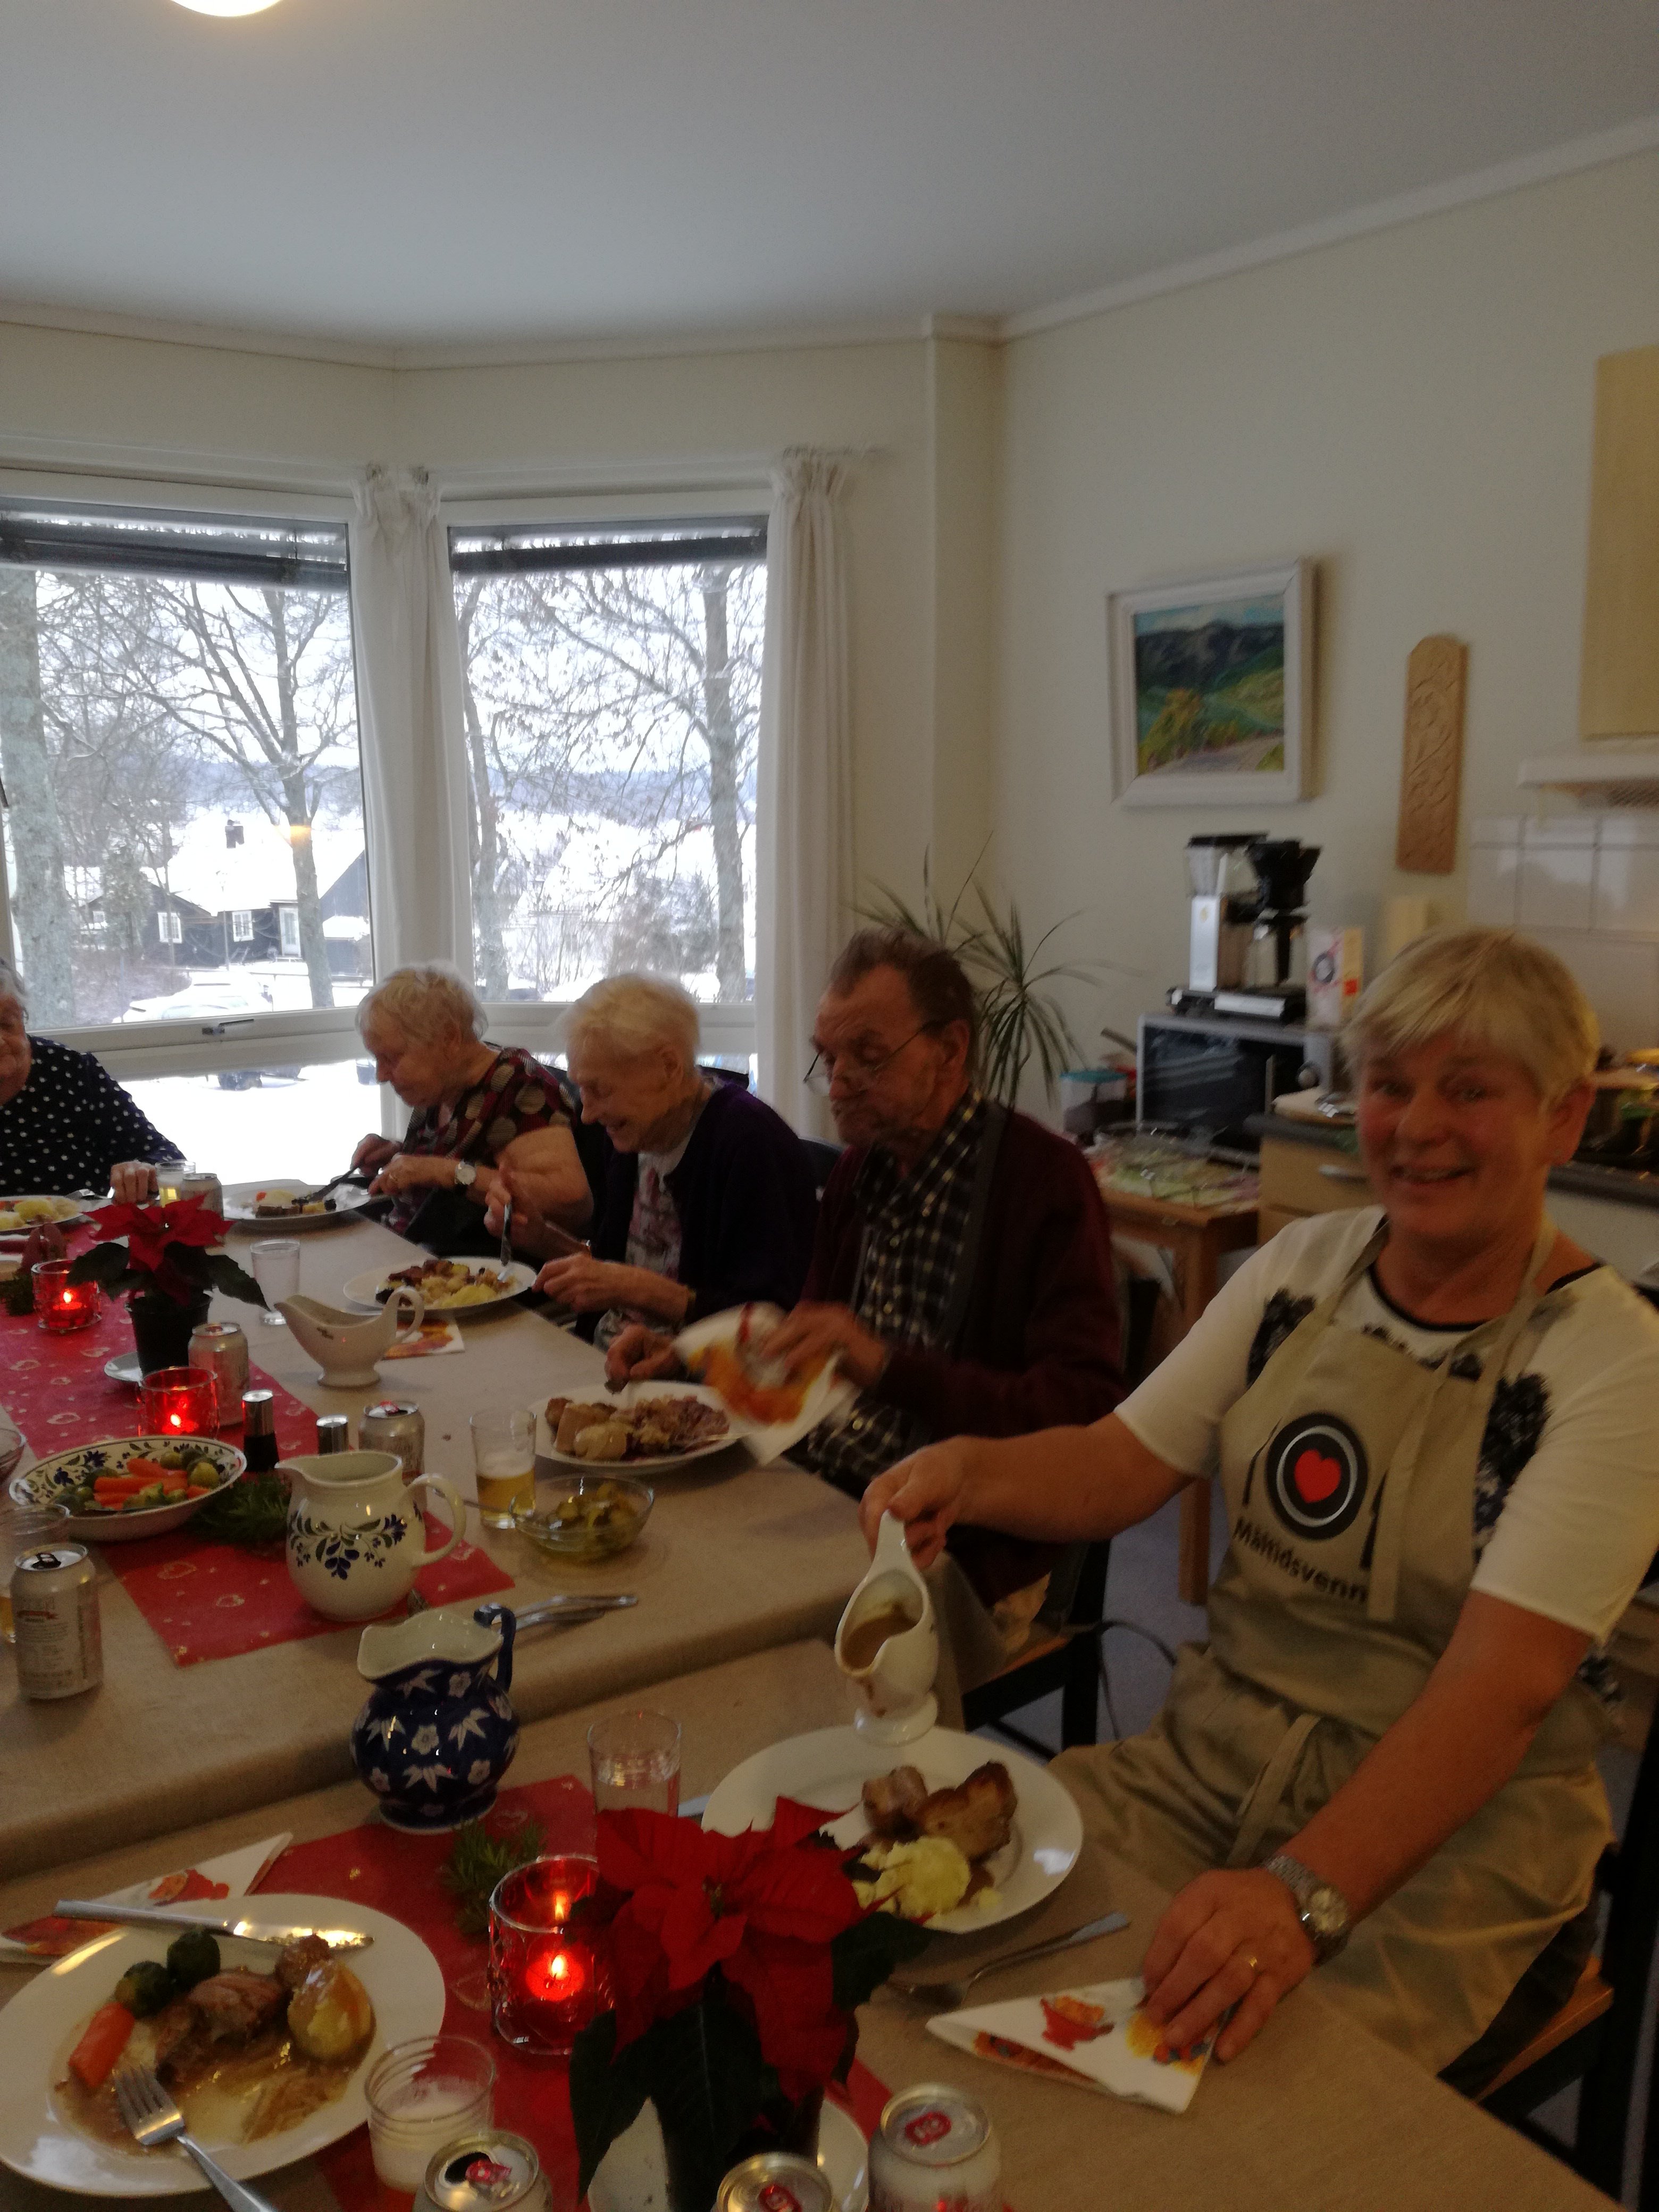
<point>856,1074</point>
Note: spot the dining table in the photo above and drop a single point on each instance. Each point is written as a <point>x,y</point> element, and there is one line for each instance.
<point>1317,2113</point>
<point>736,1559</point>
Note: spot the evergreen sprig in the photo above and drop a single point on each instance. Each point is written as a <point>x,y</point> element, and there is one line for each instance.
<point>477,1861</point>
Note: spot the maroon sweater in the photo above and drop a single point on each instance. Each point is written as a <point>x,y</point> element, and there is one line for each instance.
<point>1039,1344</point>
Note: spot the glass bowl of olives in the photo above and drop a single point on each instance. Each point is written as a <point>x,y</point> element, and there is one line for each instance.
<point>590,1516</point>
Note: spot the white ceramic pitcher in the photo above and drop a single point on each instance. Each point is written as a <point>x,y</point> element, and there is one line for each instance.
<point>895,1684</point>
<point>356,1538</point>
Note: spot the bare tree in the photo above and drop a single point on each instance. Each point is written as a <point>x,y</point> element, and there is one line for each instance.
<point>45,918</point>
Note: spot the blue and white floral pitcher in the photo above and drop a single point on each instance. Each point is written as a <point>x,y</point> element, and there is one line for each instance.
<point>356,1538</point>
<point>439,1730</point>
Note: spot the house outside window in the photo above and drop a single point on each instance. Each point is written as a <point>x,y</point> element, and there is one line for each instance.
<point>288,923</point>
<point>241,926</point>
<point>170,926</point>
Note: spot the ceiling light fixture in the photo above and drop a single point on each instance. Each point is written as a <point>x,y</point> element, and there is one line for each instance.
<point>228,7</point>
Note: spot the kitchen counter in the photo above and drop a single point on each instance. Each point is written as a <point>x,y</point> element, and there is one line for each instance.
<point>1625,1186</point>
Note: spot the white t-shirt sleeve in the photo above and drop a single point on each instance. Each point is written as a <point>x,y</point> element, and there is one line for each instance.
<point>1580,1523</point>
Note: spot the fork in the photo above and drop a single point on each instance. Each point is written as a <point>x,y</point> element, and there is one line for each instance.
<point>947,1993</point>
<point>153,2118</point>
<point>506,1234</point>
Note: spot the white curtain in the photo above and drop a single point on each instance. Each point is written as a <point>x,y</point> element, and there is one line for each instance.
<point>409,695</point>
<point>804,847</point>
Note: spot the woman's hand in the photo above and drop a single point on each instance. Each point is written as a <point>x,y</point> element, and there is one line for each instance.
<point>373,1153</point>
<point>640,1355</point>
<point>925,1492</point>
<point>131,1182</point>
<point>1228,1939</point>
<point>811,1333</point>
<point>415,1171</point>
<point>587,1284</point>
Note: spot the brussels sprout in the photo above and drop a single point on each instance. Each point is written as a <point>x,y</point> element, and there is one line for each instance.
<point>192,1957</point>
<point>145,1988</point>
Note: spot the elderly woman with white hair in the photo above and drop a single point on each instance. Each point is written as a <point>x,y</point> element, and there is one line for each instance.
<point>478,1108</point>
<point>1433,1423</point>
<point>705,1198</point>
<point>65,1123</point>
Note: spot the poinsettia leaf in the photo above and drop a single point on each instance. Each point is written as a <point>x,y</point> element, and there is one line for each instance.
<point>863,1956</point>
<point>227,1278</point>
<point>707,2083</point>
<point>105,1263</point>
<point>607,2091</point>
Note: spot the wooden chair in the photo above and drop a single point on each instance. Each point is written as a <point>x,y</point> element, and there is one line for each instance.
<point>1595,2038</point>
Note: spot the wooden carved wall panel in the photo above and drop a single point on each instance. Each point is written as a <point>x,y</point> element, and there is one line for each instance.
<point>1431,770</point>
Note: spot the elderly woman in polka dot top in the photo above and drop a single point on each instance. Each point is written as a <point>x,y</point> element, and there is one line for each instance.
<point>477,1107</point>
<point>65,1122</point>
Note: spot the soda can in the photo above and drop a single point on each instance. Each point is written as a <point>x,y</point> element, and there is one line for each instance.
<point>221,1347</point>
<point>393,1425</point>
<point>54,1610</point>
<point>205,1186</point>
<point>775,2181</point>
<point>935,2151</point>
<point>333,1433</point>
<point>488,2172</point>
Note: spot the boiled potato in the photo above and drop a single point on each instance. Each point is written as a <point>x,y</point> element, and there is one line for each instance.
<point>330,2013</point>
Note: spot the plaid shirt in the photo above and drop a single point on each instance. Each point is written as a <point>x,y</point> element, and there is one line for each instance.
<point>915,1225</point>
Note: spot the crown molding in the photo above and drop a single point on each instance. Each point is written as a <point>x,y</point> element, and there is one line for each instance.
<point>1594,152</point>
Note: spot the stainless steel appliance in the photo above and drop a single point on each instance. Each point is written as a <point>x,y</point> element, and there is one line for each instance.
<point>1205,1074</point>
<point>1275,984</point>
<point>1223,909</point>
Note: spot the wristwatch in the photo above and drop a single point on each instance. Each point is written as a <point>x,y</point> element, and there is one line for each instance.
<point>1322,1909</point>
<point>466,1175</point>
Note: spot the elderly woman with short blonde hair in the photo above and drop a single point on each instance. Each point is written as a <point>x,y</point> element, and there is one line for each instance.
<point>1432,1420</point>
<point>704,1199</point>
<point>478,1108</point>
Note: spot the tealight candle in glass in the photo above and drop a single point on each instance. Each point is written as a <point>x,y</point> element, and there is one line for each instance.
<point>61,1305</point>
<point>178,1401</point>
<point>549,1961</point>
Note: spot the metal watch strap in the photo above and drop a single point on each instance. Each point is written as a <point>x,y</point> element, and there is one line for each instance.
<point>1319,1905</point>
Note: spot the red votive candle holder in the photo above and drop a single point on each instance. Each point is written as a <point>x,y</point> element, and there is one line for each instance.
<point>178,1401</point>
<point>61,1305</point>
<point>549,1960</point>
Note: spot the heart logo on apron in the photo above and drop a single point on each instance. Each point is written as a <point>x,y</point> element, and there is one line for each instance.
<point>1316,1474</point>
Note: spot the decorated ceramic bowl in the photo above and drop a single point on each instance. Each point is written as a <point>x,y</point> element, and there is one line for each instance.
<point>68,1476</point>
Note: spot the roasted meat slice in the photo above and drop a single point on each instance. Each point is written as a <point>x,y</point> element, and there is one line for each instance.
<point>977,1816</point>
<point>295,1960</point>
<point>893,1802</point>
<point>178,2034</point>
<point>236,2005</point>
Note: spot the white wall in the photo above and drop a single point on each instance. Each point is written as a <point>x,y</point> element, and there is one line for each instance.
<point>1414,410</point>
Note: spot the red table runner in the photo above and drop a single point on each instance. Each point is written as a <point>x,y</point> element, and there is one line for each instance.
<point>205,1600</point>
<point>394,1873</point>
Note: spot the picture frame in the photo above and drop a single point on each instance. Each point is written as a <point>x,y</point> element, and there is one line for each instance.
<point>1211,688</point>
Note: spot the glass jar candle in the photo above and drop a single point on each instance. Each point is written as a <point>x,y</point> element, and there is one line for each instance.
<point>550,1964</point>
<point>61,1305</point>
<point>178,1401</point>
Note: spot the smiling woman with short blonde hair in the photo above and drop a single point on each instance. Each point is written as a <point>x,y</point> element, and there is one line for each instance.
<point>1493,988</point>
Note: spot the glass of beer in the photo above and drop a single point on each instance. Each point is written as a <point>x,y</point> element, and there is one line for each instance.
<point>504,1463</point>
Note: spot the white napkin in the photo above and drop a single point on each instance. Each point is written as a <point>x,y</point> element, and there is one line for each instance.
<point>830,1396</point>
<point>234,1874</point>
<point>1096,2037</point>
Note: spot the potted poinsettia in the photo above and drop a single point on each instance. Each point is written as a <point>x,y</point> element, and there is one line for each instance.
<point>165,1271</point>
<point>736,1964</point>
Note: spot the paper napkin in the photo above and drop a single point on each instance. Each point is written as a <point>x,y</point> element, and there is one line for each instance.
<point>830,1396</point>
<point>234,1875</point>
<point>1097,2036</point>
<point>437,1337</point>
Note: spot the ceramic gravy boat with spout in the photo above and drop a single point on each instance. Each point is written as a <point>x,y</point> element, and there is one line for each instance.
<point>888,1642</point>
<point>346,1346</point>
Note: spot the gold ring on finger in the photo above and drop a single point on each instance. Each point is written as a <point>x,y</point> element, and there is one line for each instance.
<point>1252,1962</point>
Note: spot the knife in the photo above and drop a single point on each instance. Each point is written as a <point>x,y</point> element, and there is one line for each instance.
<point>156,1915</point>
<point>506,1234</point>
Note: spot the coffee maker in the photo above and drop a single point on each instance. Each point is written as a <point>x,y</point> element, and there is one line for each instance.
<point>1225,897</point>
<point>1275,984</point>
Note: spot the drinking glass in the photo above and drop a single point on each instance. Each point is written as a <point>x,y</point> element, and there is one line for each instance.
<point>635,1761</point>
<point>170,1178</point>
<point>23,1528</point>
<point>276,1271</point>
<point>420,2096</point>
<point>504,1461</point>
<point>550,1957</point>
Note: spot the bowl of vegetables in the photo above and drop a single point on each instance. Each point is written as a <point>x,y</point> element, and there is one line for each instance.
<point>589,1517</point>
<point>130,1486</point>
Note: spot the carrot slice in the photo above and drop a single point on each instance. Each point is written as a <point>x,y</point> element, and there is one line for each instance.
<point>105,2040</point>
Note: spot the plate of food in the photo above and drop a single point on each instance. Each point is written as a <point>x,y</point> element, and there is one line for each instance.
<point>648,1425</point>
<point>18,1215</point>
<point>130,1486</point>
<point>265,2049</point>
<point>770,1407</point>
<point>945,1834</point>
<point>448,1286</point>
<point>282,1199</point>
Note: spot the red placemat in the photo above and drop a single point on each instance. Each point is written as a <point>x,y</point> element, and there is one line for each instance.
<point>205,1600</point>
<point>377,1866</point>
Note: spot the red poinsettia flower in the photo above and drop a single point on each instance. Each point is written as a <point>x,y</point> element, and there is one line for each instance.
<point>764,1907</point>
<point>150,1229</point>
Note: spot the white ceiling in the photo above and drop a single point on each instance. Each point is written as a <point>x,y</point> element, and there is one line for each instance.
<point>429,172</point>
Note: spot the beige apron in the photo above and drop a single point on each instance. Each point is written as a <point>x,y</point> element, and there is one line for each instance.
<point>1348,1469</point>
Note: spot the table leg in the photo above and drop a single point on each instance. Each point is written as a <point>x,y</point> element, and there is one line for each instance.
<point>1193,1555</point>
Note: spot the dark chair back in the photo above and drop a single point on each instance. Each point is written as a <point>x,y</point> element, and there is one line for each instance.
<point>822,1158</point>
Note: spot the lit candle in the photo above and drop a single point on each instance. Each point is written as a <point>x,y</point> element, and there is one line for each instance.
<point>547,1983</point>
<point>61,1305</point>
<point>178,1401</point>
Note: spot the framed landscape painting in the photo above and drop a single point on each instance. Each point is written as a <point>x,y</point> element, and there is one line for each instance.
<point>1213,690</point>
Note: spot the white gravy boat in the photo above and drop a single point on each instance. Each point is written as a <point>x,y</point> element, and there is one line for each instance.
<point>346,1346</point>
<point>896,1682</point>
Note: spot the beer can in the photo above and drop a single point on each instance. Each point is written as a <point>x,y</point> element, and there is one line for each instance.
<point>333,1433</point>
<point>487,2172</point>
<point>393,1425</point>
<point>775,2181</point>
<point>54,1610</point>
<point>935,2151</point>
<point>205,1186</point>
<point>221,1347</point>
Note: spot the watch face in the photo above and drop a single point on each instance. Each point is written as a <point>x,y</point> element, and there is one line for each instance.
<point>1326,1910</point>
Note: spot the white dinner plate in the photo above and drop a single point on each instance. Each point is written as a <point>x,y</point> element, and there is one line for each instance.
<point>239,1197</point>
<point>360,1290</point>
<point>76,1215</point>
<point>637,1394</point>
<point>39,2028</point>
<point>124,1367</point>
<point>830,1766</point>
<point>633,2168</point>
